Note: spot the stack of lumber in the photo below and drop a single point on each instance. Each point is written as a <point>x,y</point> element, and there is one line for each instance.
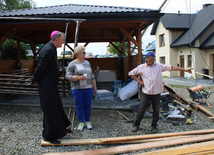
<point>147,142</point>
<point>19,82</point>
<point>184,102</point>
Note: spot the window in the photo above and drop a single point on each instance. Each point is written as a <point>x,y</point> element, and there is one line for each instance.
<point>189,60</point>
<point>162,40</point>
<point>162,60</point>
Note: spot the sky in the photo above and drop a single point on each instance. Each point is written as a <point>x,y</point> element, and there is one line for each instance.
<point>171,6</point>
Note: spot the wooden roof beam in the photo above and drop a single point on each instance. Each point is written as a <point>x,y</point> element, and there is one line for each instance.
<point>23,39</point>
<point>115,47</point>
<point>128,35</point>
<point>4,37</point>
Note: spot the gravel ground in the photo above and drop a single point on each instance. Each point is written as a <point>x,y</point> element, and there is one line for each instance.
<point>21,128</point>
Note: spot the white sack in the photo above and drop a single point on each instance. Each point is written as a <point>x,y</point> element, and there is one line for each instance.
<point>128,91</point>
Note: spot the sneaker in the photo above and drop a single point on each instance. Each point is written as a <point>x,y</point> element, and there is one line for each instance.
<point>154,129</point>
<point>88,124</point>
<point>134,128</point>
<point>80,127</point>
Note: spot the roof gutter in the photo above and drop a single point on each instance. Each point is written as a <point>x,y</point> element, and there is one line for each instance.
<point>45,19</point>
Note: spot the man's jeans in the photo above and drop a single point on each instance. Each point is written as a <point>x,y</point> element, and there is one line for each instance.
<point>144,102</point>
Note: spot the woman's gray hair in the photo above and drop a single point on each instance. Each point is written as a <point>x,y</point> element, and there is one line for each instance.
<point>78,49</point>
<point>57,35</point>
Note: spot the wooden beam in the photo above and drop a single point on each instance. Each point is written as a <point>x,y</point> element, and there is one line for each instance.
<point>115,47</point>
<point>139,45</point>
<point>202,109</point>
<point>4,37</point>
<point>23,39</point>
<point>69,47</point>
<point>138,147</point>
<point>129,36</point>
<point>204,75</point>
<point>187,149</point>
<point>86,44</point>
<point>18,51</point>
<point>97,142</point>
<point>114,139</point>
<point>129,56</point>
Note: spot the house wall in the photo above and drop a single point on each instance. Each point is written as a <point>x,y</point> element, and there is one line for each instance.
<point>162,51</point>
<point>201,59</point>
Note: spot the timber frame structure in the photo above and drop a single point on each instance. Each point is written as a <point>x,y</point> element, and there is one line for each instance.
<point>83,24</point>
<point>103,24</point>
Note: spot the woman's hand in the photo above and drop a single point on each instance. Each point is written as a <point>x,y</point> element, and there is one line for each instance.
<point>95,90</point>
<point>81,77</point>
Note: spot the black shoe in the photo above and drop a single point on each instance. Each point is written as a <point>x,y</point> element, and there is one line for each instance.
<point>68,129</point>
<point>134,128</point>
<point>53,141</point>
<point>154,129</point>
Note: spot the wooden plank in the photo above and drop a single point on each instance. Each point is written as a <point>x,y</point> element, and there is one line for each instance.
<point>202,109</point>
<point>138,147</point>
<point>97,141</point>
<point>180,147</point>
<point>204,75</point>
<point>195,150</point>
<point>149,136</point>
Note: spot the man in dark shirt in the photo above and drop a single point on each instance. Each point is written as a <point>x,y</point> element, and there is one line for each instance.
<point>46,75</point>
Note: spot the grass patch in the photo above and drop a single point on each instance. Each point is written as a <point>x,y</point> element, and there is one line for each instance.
<point>178,86</point>
<point>209,88</point>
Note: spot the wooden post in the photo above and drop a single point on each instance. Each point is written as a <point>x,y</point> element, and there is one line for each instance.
<point>122,62</point>
<point>129,56</point>
<point>18,51</point>
<point>139,45</point>
<point>63,60</point>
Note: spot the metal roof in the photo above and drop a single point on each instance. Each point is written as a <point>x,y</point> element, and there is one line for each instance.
<point>102,23</point>
<point>73,9</point>
<point>201,23</point>
<point>174,21</point>
<point>208,43</point>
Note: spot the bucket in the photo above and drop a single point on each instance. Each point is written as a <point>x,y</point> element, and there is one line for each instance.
<point>196,88</point>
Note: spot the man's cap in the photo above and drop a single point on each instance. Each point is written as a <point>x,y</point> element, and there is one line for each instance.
<point>53,33</point>
<point>151,54</point>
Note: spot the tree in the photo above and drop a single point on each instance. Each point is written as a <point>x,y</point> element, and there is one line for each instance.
<point>148,45</point>
<point>16,4</point>
<point>115,51</point>
<point>9,51</point>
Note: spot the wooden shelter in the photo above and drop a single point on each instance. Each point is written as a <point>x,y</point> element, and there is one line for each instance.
<point>84,23</point>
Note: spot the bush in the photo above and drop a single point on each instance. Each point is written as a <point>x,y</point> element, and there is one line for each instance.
<point>9,51</point>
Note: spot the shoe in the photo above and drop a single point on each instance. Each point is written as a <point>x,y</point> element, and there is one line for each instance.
<point>154,129</point>
<point>88,124</point>
<point>68,129</point>
<point>53,141</point>
<point>80,127</point>
<point>134,128</point>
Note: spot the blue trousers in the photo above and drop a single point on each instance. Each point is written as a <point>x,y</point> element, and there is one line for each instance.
<point>82,99</point>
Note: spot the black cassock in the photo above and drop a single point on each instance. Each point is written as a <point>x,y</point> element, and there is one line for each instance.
<point>46,74</point>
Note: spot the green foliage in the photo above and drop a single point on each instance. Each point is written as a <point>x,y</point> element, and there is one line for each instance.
<point>9,51</point>
<point>16,4</point>
<point>117,44</point>
<point>148,45</point>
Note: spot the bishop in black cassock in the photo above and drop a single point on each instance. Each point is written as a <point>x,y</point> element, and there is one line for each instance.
<point>46,75</point>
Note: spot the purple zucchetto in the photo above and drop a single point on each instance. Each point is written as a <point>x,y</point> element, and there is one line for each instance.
<point>53,33</point>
